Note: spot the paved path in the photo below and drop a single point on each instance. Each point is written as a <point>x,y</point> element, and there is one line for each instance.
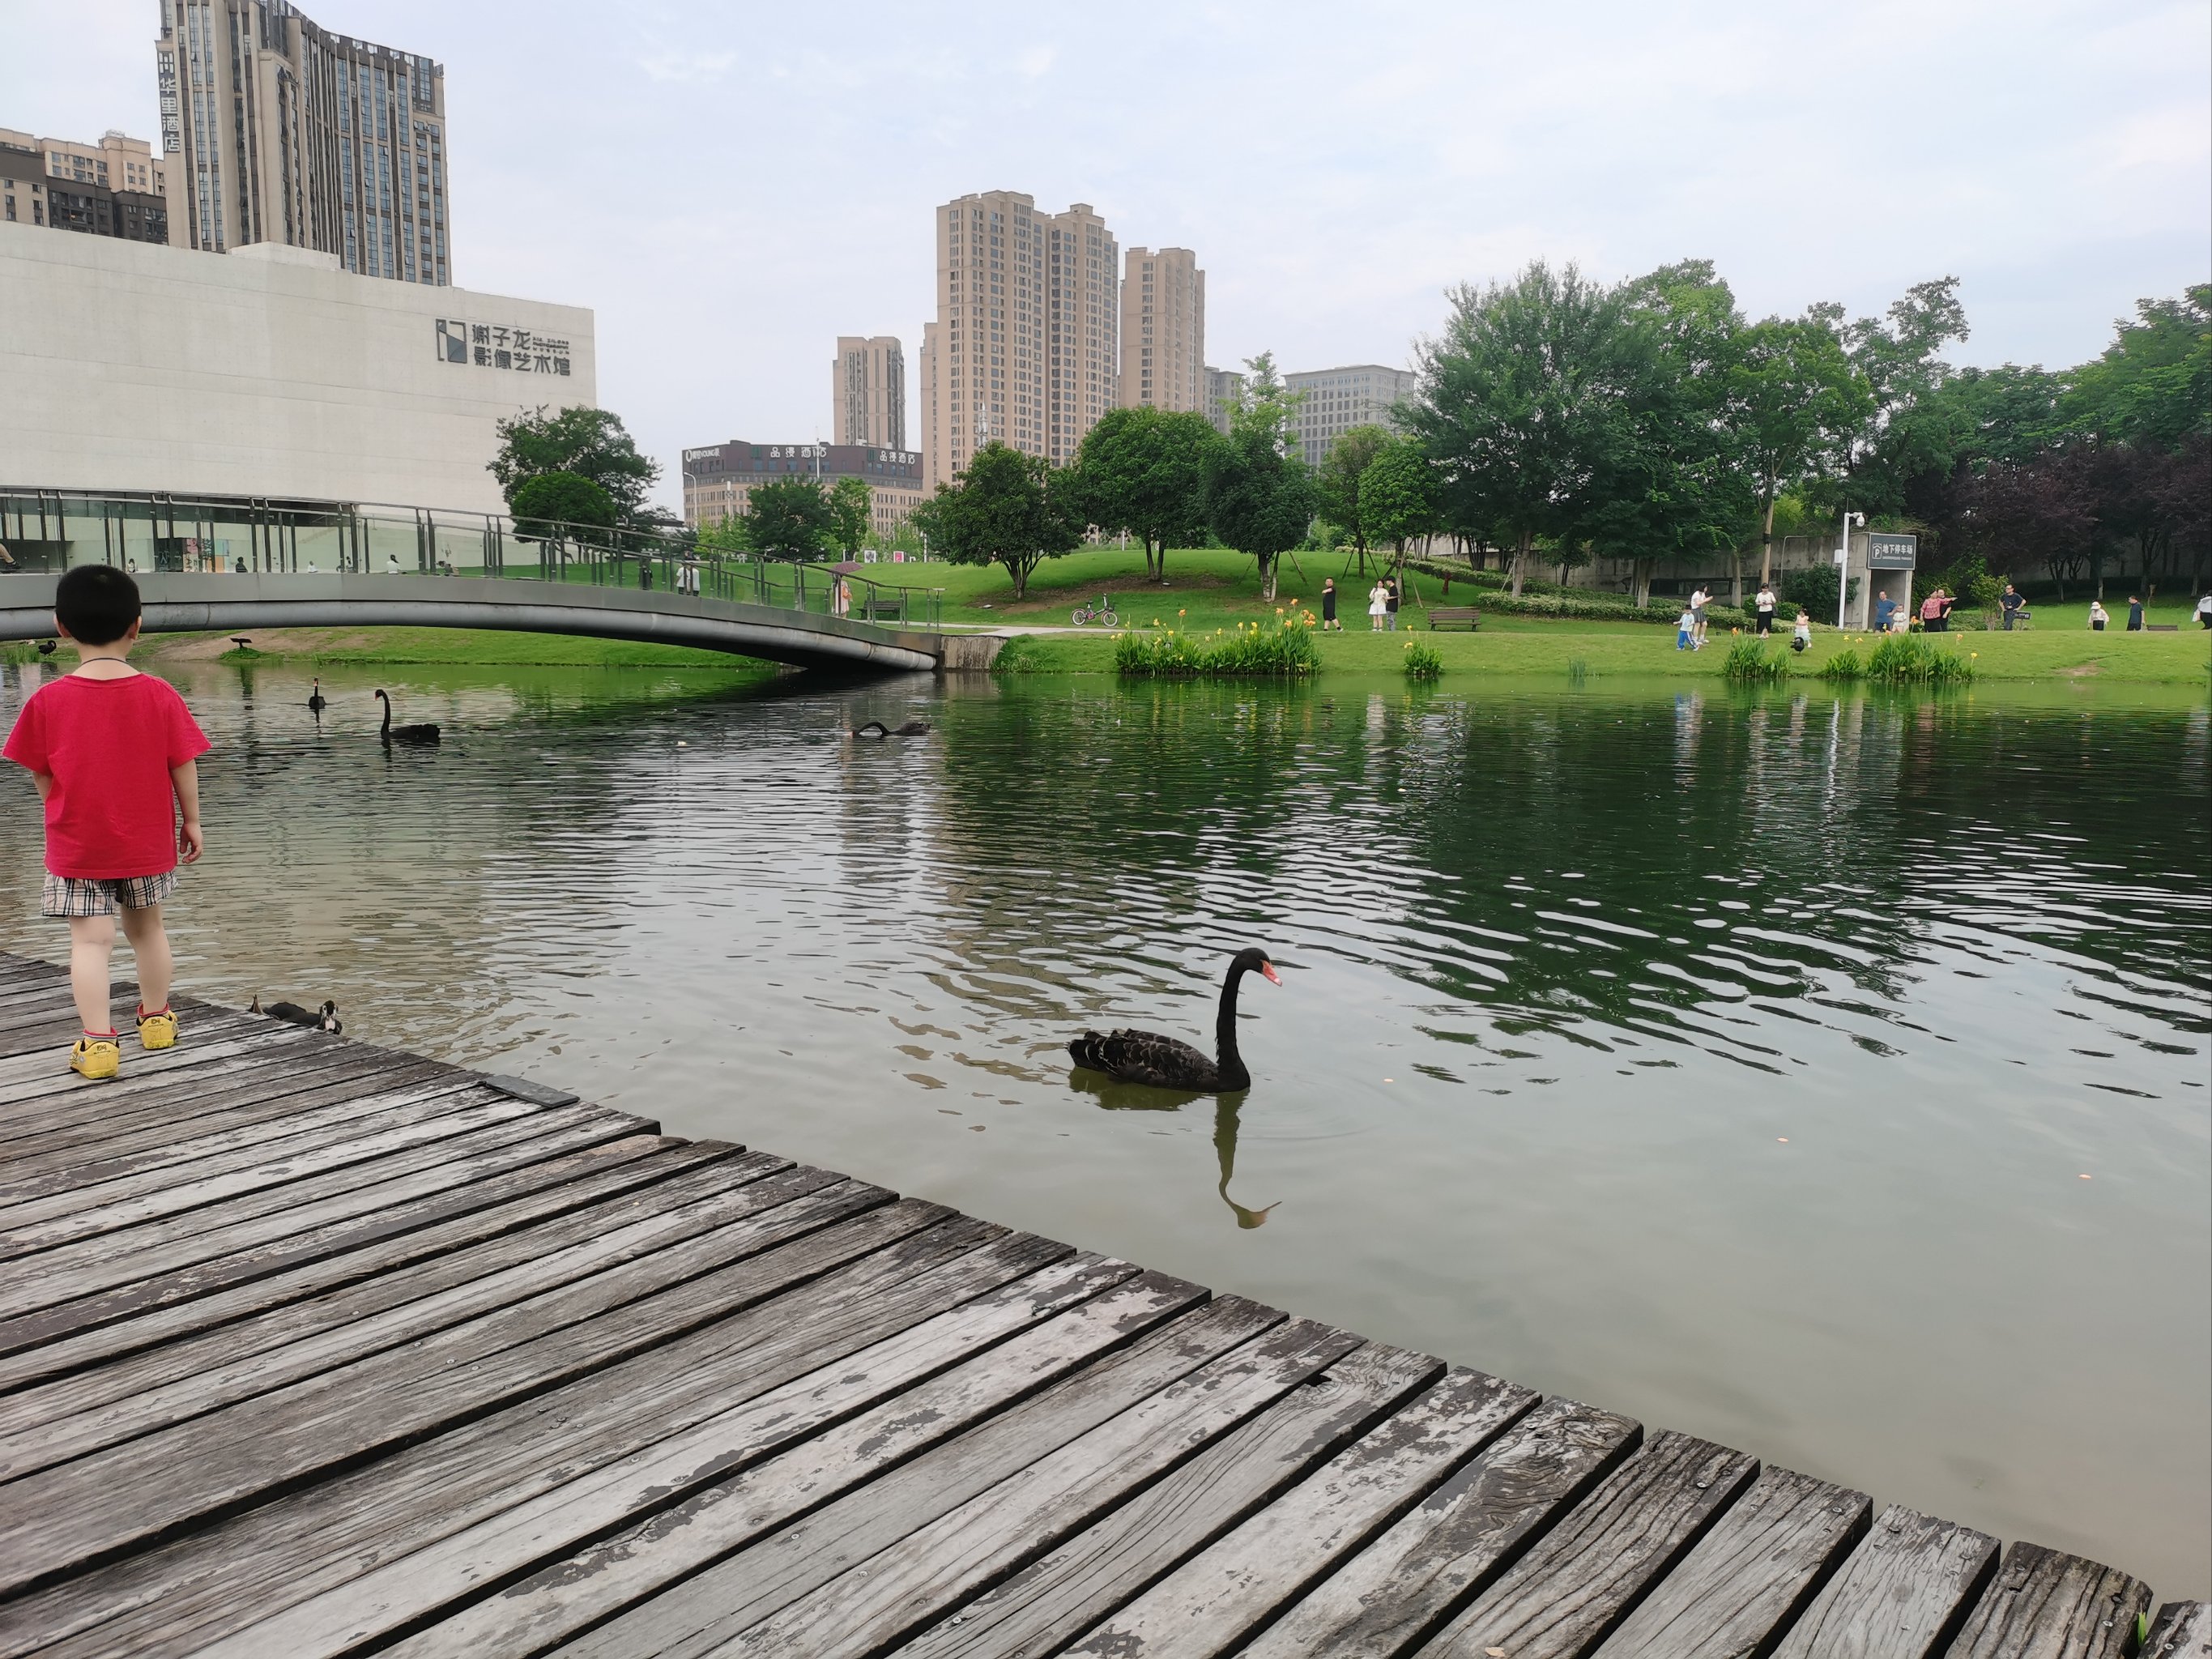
<point>309,1348</point>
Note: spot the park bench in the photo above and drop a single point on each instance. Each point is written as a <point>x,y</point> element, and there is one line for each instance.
<point>2162,628</point>
<point>1454,616</point>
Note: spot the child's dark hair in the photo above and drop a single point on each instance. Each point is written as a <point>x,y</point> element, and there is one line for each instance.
<point>97,603</point>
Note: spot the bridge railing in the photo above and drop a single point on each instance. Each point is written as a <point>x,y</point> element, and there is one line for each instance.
<point>49,529</point>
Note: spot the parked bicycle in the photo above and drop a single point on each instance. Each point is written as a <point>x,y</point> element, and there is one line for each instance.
<point>1101,613</point>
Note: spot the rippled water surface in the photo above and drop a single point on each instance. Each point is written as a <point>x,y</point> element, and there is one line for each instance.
<point>1828,1078</point>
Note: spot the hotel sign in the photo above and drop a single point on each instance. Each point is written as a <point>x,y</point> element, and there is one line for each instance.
<point>494,345</point>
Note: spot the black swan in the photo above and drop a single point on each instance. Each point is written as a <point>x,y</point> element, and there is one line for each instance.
<point>316,700</point>
<point>392,734</point>
<point>323,1019</point>
<point>1165,1062</point>
<point>878,729</point>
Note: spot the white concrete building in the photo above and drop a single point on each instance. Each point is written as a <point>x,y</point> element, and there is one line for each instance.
<point>1338,399</point>
<point>129,367</point>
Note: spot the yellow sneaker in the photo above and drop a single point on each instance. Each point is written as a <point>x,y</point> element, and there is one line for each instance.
<point>96,1058</point>
<point>157,1030</point>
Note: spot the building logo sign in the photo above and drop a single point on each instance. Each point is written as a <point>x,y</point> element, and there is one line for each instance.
<point>165,77</point>
<point>490,345</point>
<point>1889,550</point>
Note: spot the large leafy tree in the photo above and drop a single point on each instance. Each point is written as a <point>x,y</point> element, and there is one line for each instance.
<point>1525,404</point>
<point>1007,508</point>
<point>1336,482</point>
<point>1907,438</point>
<point>1143,471</point>
<point>790,519</point>
<point>590,443</point>
<point>1398,495</point>
<point>852,514</point>
<point>551,506</point>
<point>2153,385</point>
<point>1792,396</point>
<point>1258,496</point>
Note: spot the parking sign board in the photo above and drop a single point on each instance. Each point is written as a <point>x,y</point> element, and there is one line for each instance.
<point>1890,550</point>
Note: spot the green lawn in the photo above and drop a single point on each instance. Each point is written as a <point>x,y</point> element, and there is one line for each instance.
<point>488,647</point>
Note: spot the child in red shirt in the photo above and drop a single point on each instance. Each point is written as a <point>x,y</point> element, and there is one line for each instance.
<point>114,753</point>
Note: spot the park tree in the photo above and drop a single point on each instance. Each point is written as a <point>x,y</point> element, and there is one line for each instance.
<point>1791,397</point>
<point>1142,471</point>
<point>1336,482</point>
<point>1258,495</point>
<point>1906,438</point>
<point>1524,402</point>
<point>789,519</point>
<point>1398,495</point>
<point>1007,508</point>
<point>2153,386</point>
<point>550,507</point>
<point>591,443</point>
<point>852,514</point>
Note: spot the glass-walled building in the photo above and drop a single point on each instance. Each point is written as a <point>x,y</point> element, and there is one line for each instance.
<point>280,131</point>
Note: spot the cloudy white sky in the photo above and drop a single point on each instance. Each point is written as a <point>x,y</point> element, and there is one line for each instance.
<point>731,187</point>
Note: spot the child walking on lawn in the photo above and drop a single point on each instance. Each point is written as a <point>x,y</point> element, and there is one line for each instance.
<point>113,754</point>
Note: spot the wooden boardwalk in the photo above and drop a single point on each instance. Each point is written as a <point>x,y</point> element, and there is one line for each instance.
<point>312,1348</point>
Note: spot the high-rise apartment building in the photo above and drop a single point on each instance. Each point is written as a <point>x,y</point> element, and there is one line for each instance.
<point>113,188</point>
<point>283,132</point>
<point>1162,331</point>
<point>1336,399</point>
<point>1023,350</point>
<point>1224,392</point>
<point>867,391</point>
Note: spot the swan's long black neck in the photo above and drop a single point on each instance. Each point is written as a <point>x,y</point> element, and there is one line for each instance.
<point>386,701</point>
<point>1227,1060</point>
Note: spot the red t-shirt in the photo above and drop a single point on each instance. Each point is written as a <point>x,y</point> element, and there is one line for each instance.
<point>109,746</point>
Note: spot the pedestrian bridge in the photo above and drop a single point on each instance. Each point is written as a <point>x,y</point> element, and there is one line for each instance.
<point>235,563</point>
<point>787,616</point>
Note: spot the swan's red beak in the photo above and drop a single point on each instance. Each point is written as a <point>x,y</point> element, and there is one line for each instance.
<point>1268,968</point>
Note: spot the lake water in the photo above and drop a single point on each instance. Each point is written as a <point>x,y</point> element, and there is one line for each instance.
<point>1734,1061</point>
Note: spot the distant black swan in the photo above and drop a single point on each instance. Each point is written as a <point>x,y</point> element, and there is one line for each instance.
<point>316,700</point>
<point>878,729</point>
<point>323,1019</point>
<point>391,733</point>
<point>1164,1062</point>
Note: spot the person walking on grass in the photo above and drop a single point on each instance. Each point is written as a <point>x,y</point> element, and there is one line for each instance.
<point>2012,604</point>
<point>2204,611</point>
<point>1329,605</point>
<point>1699,601</point>
<point>2098,615</point>
<point>113,754</point>
<point>1685,629</point>
<point>1378,598</point>
<point>1801,638</point>
<point>1392,595</point>
<point>1765,603</point>
<point>2134,613</point>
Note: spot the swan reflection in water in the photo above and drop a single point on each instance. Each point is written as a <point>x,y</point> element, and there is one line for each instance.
<point>1137,1097</point>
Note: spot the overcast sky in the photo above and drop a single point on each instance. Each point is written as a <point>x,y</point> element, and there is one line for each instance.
<point>731,187</point>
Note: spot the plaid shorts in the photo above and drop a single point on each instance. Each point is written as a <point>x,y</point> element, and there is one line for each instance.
<point>91,895</point>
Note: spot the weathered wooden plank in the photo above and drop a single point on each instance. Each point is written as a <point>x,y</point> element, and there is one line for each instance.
<point>435,1114</point>
<point>98,1327</point>
<point>77,1414</point>
<point>588,1585</point>
<point>1577,1581</point>
<point>28,1078</point>
<point>1903,1594</point>
<point>180,1595</point>
<point>759,1572</point>
<point>1750,1576</point>
<point>129,1140</point>
<point>94,1265</point>
<point>938,1564</point>
<point>2044,1605</point>
<point>61,1517</point>
<point>167,1273</point>
<point>122,1359</point>
<point>1214,1594</point>
<point>2183,1630</point>
<point>228,1122</point>
<point>1390,1595</point>
<point>401,1593</point>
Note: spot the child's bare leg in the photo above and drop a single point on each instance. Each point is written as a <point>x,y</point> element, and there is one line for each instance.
<point>92,939</point>
<point>149,943</point>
